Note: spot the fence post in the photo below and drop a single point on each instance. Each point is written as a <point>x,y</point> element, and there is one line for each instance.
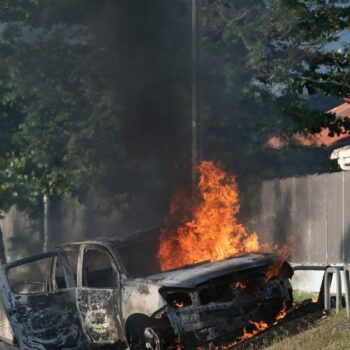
<point>327,287</point>
<point>346,275</point>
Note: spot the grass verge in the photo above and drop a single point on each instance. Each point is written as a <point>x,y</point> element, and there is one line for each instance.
<point>331,332</point>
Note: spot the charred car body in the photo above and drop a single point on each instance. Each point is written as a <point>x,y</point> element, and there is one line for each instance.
<point>97,294</point>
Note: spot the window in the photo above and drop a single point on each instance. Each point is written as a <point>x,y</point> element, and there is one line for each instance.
<point>139,257</point>
<point>34,276</point>
<point>98,270</point>
<point>59,277</point>
<point>72,253</point>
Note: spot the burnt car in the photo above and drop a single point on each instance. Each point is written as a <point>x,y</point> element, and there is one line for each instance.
<point>110,294</point>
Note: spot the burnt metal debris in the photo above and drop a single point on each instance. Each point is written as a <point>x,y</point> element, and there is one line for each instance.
<point>81,296</point>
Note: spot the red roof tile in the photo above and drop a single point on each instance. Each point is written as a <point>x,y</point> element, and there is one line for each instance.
<point>322,138</point>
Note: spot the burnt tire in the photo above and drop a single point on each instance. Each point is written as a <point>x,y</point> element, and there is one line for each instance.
<point>146,337</point>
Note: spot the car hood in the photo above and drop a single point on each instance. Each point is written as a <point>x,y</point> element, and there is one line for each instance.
<point>194,275</point>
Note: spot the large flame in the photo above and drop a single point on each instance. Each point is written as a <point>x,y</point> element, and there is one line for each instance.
<point>260,326</point>
<point>210,231</point>
<point>206,228</point>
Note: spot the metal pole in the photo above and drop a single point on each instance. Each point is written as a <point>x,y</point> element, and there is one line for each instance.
<point>2,249</point>
<point>46,203</point>
<point>327,288</point>
<point>196,44</point>
<point>346,273</point>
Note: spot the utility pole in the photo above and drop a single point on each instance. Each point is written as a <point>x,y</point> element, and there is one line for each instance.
<point>46,204</point>
<point>2,249</point>
<point>196,103</point>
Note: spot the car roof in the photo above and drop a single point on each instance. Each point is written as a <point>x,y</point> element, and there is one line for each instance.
<point>126,240</point>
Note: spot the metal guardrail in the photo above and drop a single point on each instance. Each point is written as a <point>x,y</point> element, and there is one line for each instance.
<point>330,271</point>
<point>325,290</point>
<point>309,267</point>
<point>346,275</point>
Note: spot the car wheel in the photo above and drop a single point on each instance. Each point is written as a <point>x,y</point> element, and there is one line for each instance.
<point>147,338</point>
<point>152,339</point>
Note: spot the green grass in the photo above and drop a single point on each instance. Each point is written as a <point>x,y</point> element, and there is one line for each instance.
<point>331,332</point>
<point>299,297</point>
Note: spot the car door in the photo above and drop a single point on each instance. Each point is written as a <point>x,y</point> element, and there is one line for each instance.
<point>42,309</point>
<point>98,295</point>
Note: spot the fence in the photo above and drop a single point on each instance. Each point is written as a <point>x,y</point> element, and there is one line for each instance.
<point>315,210</point>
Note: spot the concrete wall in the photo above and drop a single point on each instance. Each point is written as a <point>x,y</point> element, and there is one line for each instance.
<point>23,236</point>
<point>315,211</point>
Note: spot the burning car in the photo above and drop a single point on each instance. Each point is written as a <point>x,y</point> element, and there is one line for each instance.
<point>94,294</point>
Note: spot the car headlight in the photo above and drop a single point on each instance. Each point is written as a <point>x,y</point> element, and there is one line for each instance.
<point>177,298</point>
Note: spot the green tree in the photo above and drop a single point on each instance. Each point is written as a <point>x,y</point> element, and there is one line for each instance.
<point>95,96</point>
<point>263,62</point>
<point>91,103</point>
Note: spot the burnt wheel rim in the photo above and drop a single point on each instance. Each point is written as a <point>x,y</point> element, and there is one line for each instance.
<point>151,339</point>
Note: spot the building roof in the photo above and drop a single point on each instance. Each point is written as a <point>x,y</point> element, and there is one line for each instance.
<point>322,138</point>
<point>342,110</point>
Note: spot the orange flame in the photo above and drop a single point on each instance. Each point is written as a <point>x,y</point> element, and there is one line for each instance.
<point>314,299</point>
<point>212,232</point>
<point>281,256</point>
<point>282,314</point>
<point>259,327</point>
<point>240,285</point>
<point>179,304</point>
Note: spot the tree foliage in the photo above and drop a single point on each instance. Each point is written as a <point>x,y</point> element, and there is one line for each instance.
<point>263,62</point>
<point>95,95</point>
<point>89,85</point>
